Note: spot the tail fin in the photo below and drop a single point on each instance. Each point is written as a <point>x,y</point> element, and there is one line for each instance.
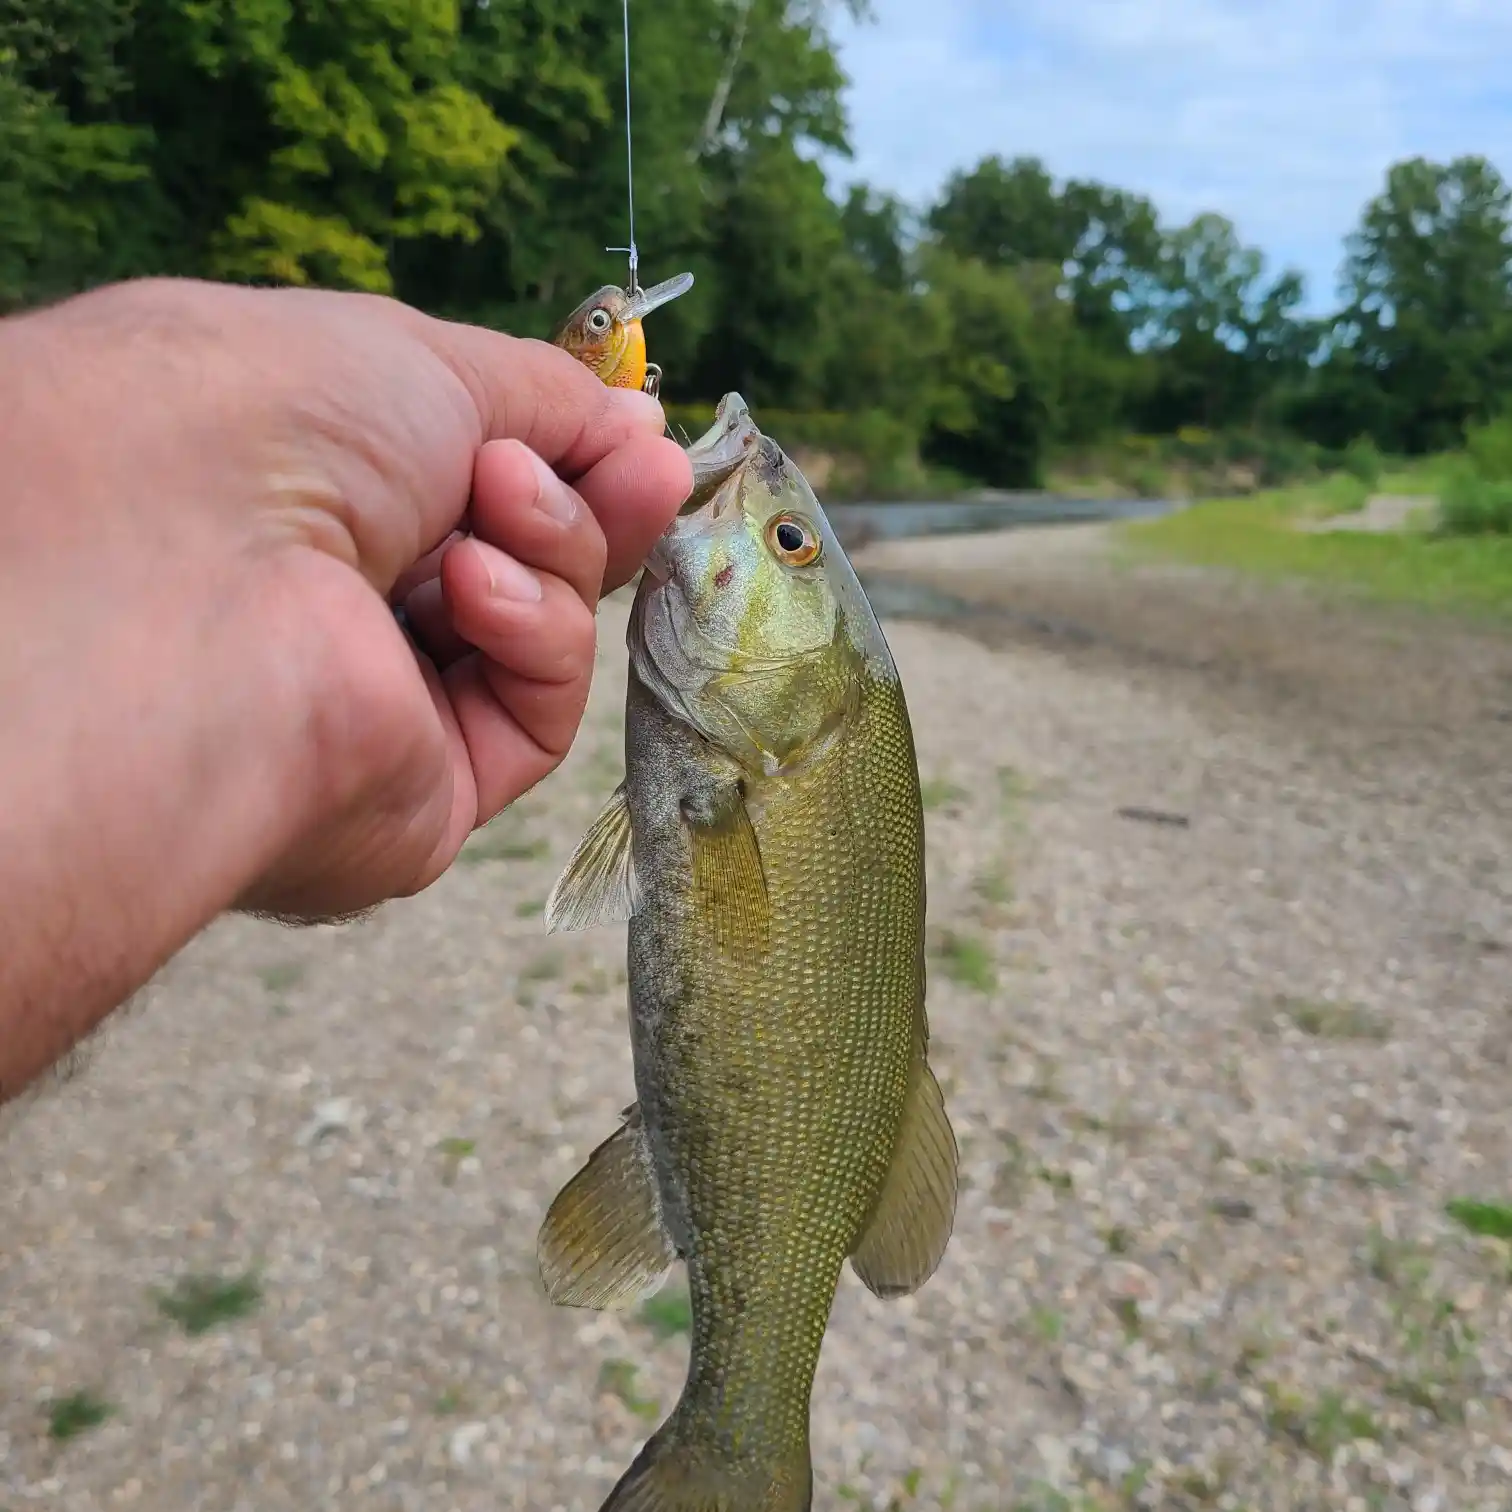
<point>677,1476</point>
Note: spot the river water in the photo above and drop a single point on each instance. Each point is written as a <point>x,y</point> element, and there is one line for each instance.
<point>892,521</point>
<point>894,595</point>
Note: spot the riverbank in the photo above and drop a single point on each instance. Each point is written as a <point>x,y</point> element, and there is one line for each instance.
<point>1220,923</point>
<point>1297,533</point>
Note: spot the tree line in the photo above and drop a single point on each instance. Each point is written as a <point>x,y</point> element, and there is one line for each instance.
<point>468,156</point>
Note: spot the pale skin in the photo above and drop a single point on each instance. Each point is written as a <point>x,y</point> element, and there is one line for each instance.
<point>211,500</point>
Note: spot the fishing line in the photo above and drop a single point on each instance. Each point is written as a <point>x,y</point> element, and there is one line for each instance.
<point>634,255</point>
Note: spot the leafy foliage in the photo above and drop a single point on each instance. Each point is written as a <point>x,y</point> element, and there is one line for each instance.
<point>467,156</point>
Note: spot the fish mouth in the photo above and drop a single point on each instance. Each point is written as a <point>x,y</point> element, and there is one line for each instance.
<point>643,301</point>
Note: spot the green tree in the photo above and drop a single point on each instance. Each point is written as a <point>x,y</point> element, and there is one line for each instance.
<point>1222,333</point>
<point>1428,313</point>
<point>68,182</point>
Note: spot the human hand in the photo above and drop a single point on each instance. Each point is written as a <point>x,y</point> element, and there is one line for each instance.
<point>213,498</point>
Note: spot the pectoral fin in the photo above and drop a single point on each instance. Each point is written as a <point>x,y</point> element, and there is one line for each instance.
<point>603,1244</point>
<point>911,1223</point>
<point>598,885</point>
<point>729,881</point>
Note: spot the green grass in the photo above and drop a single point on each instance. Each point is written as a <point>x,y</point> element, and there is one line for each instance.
<point>940,792</point>
<point>1491,1220</point>
<point>199,1303</point>
<point>617,1378</point>
<point>968,961</point>
<point>72,1415</point>
<point>1258,535</point>
<point>498,841</point>
<point>1330,1020</point>
<point>668,1313</point>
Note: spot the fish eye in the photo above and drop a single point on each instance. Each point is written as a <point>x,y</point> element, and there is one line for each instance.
<point>793,541</point>
<point>598,321</point>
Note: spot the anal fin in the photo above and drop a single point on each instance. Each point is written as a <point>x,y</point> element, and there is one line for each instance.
<point>603,1244</point>
<point>911,1223</point>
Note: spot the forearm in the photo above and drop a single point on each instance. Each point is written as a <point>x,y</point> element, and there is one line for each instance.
<point>132,809</point>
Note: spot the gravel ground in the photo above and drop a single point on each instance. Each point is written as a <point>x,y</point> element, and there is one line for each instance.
<point>1214,1079</point>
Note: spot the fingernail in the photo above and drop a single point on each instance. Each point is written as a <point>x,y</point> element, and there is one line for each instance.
<point>508,579</point>
<point>553,497</point>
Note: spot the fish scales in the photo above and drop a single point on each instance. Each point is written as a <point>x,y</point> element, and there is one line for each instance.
<point>767,850</point>
<point>779,1075</point>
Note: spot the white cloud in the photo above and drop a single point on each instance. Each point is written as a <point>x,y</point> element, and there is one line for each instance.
<point>1281,114</point>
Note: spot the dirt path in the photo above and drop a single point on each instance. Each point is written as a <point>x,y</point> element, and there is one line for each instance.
<point>1213,1083</point>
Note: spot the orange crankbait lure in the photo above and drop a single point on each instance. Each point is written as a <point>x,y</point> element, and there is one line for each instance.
<point>604,333</point>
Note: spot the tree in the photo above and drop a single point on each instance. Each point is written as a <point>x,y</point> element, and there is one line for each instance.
<point>1223,335</point>
<point>1428,312</point>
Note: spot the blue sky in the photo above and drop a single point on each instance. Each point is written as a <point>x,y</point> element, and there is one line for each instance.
<point>1281,114</point>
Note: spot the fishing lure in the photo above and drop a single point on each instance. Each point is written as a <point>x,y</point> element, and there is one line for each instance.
<point>604,333</point>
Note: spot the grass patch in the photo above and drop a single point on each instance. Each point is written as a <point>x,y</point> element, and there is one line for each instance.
<point>1048,1324</point>
<point>199,1303</point>
<point>1340,1021</point>
<point>76,1413</point>
<point>940,792</point>
<point>668,1313</point>
<point>1322,1427</point>
<point>501,842</point>
<point>968,961</point>
<point>617,1378</point>
<point>453,1152</point>
<point>1491,1220</point>
<point>1257,535</point>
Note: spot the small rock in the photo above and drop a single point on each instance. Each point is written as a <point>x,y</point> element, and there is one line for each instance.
<point>1235,1209</point>
<point>464,1440</point>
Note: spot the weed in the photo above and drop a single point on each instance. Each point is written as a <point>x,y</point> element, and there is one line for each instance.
<point>1126,1310</point>
<point>1321,1427</point>
<point>1329,1020</point>
<point>449,1402</point>
<point>72,1415</point>
<point>453,1152</point>
<point>940,792</point>
<point>501,842</point>
<point>617,1377</point>
<point>968,961</point>
<point>1118,1239</point>
<point>993,886</point>
<point>1048,1323</point>
<point>668,1313</point>
<point>1491,1220</point>
<point>198,1303</point>
<point>530,908</point>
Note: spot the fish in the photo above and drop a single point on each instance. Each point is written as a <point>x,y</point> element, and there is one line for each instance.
<point>605,334</point>
<point>765,851</point>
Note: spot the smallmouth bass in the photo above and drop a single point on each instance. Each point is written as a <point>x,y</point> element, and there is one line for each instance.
<point>766,848</point>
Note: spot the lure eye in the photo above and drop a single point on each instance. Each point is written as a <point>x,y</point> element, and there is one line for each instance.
<point>793,541</point>
<point>598,321</point>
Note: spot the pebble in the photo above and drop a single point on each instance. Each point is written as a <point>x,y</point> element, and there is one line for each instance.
<point>1145,1118</point>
